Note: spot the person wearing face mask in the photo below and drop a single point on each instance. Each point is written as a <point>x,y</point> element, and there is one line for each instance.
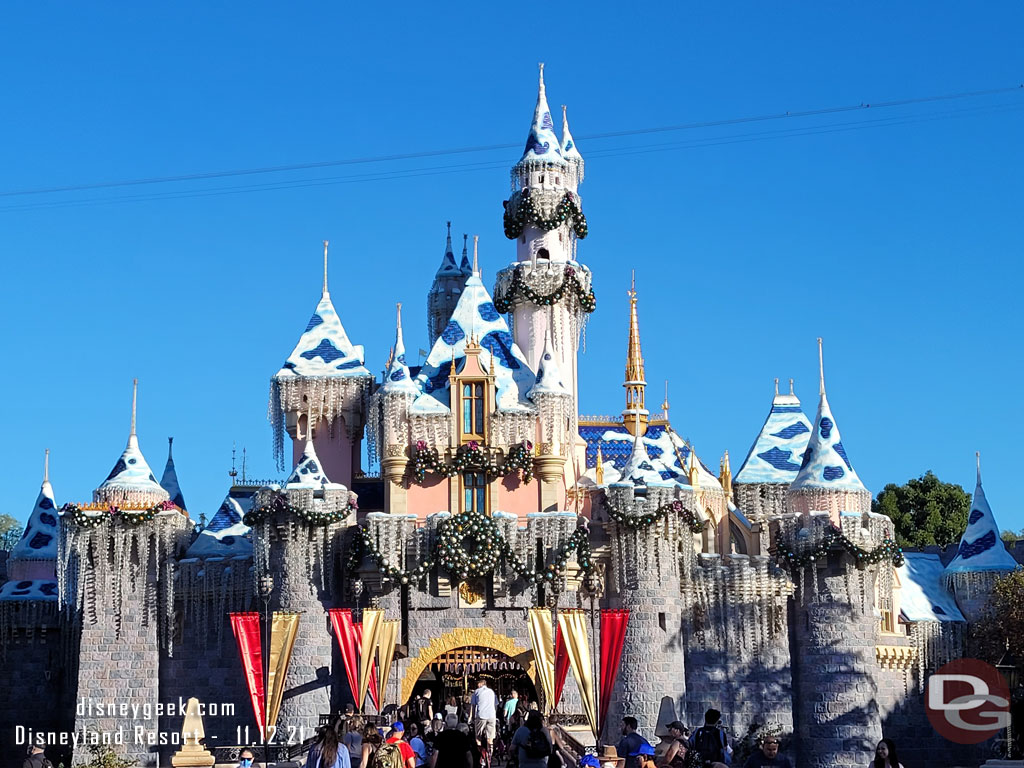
<point>245,758</point>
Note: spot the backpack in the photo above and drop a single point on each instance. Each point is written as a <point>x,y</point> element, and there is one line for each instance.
<point>709,741</point>
<point>388,755</point>
<point>537,745</point>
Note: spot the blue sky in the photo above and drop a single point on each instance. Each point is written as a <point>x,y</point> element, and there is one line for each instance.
<point>894,233</point>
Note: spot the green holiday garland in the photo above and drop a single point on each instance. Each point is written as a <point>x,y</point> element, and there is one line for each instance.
<point>489,548</point>
<point>833,539</point>
<point>82,518</point>
<point>279,503</point>
<point>503,301</point>
<point>521,212</point>
<point>471,457</point>
<point>637,522</point>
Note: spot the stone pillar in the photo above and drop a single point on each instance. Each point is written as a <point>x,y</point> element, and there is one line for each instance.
<point>122,618</point>
<point>651,685</point>
<point>836,712</point>
<point>392,468</point>
<point>549,472</point>
<point>297,548</point>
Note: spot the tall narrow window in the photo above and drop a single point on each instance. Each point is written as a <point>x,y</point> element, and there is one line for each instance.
<point>473,409</point>
<point>474,492</point>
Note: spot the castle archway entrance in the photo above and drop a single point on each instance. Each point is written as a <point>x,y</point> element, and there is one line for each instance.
<point>450,664</point>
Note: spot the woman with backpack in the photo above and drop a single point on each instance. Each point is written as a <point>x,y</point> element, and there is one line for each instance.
<point>532,743</point>
<point>371,741</point>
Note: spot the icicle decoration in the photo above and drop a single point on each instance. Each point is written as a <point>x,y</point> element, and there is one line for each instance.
<point>325,398</point>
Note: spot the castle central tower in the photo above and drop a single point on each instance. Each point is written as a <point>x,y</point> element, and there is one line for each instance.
<point>546,289</point>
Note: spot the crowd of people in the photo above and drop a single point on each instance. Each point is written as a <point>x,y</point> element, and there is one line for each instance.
<point>480,734</point>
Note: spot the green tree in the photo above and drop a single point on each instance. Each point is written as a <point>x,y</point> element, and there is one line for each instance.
<point>925,510</point>
<point>1004,620</point>
<point>10,532</point>
<point>1010,536</point>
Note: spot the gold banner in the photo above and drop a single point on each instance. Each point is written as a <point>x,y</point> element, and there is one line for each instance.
<point>282,640</point>
<point>385,656</point>
<point>573,625</point>
<point>542,639</point>
<point>373,618</point>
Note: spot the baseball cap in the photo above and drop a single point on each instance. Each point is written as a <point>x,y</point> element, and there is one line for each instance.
<point>589,761</point>
<point>645,749</point>
<point>397,728</point>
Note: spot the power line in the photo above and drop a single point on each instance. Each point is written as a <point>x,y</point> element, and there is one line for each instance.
<point>491,147</point>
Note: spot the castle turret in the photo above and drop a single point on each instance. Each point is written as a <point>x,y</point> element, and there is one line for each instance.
<point>570,154</point>
<point>554,401</point>
<point>980,559</point>
<point>774,459</point>
<point>827,481</point>
<point>449,283</point>
<point>324,375</point>
<point>546,286</point>
<point>169,480</point>
<point>391,411</point>
<point>635,415</point>
<point>34,557</point>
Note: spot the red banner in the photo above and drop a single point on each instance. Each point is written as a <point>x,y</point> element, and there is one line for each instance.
<point>561,667</point>
<point>374,697</point>
<point>246,627</point>
<point>345,631</point>
<point>613,635</point>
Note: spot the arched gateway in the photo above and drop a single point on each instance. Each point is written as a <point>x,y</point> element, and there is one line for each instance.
<point>442,650</point>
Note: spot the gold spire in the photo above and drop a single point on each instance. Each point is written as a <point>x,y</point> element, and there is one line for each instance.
<point>599,467</point>
<point>725,475</point>
<point>635,414</point>
<point>694,471</point>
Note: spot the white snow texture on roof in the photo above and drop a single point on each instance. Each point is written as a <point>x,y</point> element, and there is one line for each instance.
<point>569,151</point>
<point>658,464</point>
<point>397,379</point>
<point>777,452</point>
<point>826,465</point>
<point>542,144</point>
<point>32,589</point>
<point>132,473</point>
<point>227,542</point>
<point>39,541</point>
<point>922,595</point>
<point>309,472</point>
<point>324,349</point>
<point>549,377</point>
<point>981,547</point>
<point>475,316</point>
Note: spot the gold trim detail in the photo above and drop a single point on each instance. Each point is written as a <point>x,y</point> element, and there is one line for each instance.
<point>460,638</point>
<point>896,656</point>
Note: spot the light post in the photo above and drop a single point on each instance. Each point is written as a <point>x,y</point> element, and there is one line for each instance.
<point>1009,668</point>
<point>266,590</point>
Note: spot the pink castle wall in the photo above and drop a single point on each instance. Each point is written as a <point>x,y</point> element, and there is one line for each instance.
<point>430,497</point>
<point>336,451</point>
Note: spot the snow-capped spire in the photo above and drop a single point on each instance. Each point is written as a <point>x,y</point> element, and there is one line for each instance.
<point>826,467</point>
<point>169,479</point>
<point>778,450</point>
<point>542,145</point>
<point>569,150</point>
<point>325,291</point>
<point>131,481</point>
<point>448,266</point>
<point>464,266</point>
<point>638,469</point>
<point>309,472</point>
<point>397,379</point>
<point>35,554</point>
<point>549,377</point>
<point>635,414</point>
<point>981,546</point>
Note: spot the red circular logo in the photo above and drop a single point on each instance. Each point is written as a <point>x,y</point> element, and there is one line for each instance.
<point>967,701</point>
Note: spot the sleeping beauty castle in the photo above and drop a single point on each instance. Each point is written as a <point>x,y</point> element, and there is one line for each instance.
<point>596,564</point>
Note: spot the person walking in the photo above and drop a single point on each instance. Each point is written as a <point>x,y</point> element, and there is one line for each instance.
<point>370,742</point>
<point>767,754</point>
<point>531,743</point>
<point>330,750</point>
<point>679,753</point>
<point>245,758</point>
<point>419,746</point>
<point>452,747</point>
<point>885,755</point>
<point>710,740</point>
<point>397,739</point>
<point>484,711</point>
<point>354,740</point>
<point>451,708</point>
<point>630,743</point>
<point>509,712</point>
<point>36,758</point>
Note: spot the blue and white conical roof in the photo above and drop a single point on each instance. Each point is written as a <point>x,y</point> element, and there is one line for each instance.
<point>397,379</point>
<point>825,464</point>
<point>549,376</point>
<point>569,150</point>
<point>324,349</point>
<point>39,541</point>
<point>448,268</point>
<point>542,145</point>
<point>169,480</point>
<point>476,316</point>
<point>131,480</point>
<point>309,472</point>
<point>981,547</point>
<point>465,266</point>
<point>638,469</point>
<point>778,451</point>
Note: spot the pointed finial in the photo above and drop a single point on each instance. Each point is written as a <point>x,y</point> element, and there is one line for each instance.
<point>776,386</point>
<point>243,464</point>
<point>135,400</point>
<point>632,285</point>
<point>399,305</point>
<point>977,456</point>
<point>665,405</point>
<point>821,370</point>
<point>791,386</point>
<point>541,77</point>
<point>233,473</point>
<point>476,244</point>
<point>599,467</point>
<point>326,292</point>
<point>170,446</point>
<point>46,466</point>
<point>465,245</point>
